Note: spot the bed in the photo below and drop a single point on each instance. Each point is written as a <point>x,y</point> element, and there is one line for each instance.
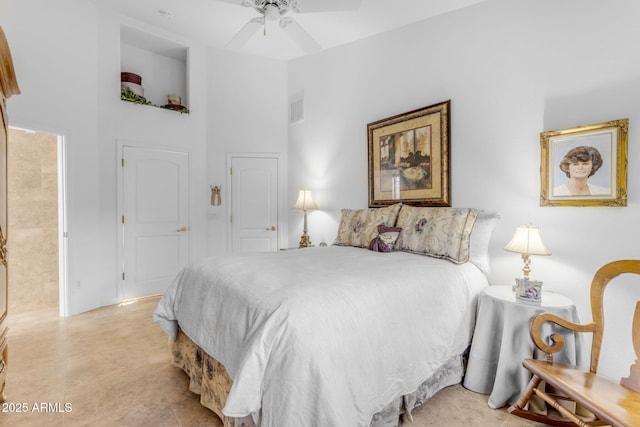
<point>337,335</point>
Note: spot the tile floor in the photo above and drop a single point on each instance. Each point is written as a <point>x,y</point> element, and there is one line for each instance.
<point>111,367</point>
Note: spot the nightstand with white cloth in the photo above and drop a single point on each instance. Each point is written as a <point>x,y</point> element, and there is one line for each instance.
<point>501,341</point>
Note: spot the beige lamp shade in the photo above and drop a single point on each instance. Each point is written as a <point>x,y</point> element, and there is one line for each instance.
<point>527,240</point>
<point>306,201</point>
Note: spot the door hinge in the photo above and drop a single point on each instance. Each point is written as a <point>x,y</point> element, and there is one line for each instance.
<point>123,219</point>
<point>122,162</point>
<point>231,218</point>
<point>123,276</point>
<point>230,171</point>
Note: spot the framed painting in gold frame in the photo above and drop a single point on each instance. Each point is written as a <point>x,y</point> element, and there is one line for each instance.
<point>409,158</point>
<point>585,165</point>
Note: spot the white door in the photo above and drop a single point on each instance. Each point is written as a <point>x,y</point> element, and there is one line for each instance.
<point>254,204</point>
<point>155,219</point>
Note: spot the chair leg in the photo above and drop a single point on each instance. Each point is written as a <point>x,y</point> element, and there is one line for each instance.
<point>526,395</point>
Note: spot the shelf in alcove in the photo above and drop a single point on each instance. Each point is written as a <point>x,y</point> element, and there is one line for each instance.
<point>127,95</point>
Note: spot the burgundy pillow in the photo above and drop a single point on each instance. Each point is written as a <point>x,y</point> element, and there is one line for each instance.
<point>386,238</point>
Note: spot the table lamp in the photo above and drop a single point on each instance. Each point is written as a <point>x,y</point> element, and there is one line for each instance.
<point>305,202</point>
<point>527,241</point>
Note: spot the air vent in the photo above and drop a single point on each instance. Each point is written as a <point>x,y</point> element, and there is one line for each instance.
<point>296,109</point>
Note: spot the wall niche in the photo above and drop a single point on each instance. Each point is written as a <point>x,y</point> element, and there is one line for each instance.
<point>153,70</point>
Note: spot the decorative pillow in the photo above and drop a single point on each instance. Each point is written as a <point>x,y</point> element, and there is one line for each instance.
<point>386,238</point>
<point>358,227</point>
<point>437,232</point>
<point>480,238</point>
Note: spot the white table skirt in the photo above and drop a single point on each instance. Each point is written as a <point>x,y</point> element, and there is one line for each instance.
<point>501,341</point>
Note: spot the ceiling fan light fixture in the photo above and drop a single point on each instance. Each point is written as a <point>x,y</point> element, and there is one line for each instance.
<point>271,12</point>
<point>278,10</point>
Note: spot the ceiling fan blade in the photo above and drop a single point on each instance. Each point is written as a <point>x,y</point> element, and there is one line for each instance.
<point>299,35</point>
<point>312,6</point>
<point>245,33</point>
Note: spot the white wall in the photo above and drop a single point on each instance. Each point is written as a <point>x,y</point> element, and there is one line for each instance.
<point>67,59</point>
<point>122,123</point>
<point>247,113</point>
<point>511,69</point>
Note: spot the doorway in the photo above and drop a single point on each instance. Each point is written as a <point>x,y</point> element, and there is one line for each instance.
<point>155,219</point>
<point>35,243</point>
<point>255,201</point>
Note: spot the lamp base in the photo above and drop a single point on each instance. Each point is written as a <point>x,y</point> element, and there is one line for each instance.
<point>305,241</point>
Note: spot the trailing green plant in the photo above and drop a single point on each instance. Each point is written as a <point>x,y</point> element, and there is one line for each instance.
<point>126,94</point>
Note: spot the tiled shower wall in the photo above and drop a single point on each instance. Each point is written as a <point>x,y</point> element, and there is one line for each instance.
<point>33,221</point>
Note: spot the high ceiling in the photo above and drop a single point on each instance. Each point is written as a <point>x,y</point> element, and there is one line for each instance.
<point>215,22</point>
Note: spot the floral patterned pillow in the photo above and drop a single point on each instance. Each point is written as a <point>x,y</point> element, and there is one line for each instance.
<point>386,238</point>
<point>358,227</point>
<point>437,232</point>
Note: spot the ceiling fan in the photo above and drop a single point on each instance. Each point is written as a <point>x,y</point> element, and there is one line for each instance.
<point>278,10</point>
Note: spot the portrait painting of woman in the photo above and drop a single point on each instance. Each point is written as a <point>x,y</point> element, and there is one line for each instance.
<point>585,165</point>
<point>580,164</point>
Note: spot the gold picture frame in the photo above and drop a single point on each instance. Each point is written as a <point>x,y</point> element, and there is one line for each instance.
<point>567,155</point>
<point>409,158</point>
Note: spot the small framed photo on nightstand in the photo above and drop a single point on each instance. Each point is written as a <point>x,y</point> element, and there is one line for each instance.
<point>528,291</point>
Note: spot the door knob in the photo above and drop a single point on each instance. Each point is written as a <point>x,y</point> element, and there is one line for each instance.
<point>182,230</point>
<point>273,228</point>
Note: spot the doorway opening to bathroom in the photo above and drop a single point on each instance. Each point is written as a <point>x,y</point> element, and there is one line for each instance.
<point>36,221</point>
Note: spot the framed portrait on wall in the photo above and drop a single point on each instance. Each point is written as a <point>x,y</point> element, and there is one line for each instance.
<point>585,165</point>
<point>409,158</point>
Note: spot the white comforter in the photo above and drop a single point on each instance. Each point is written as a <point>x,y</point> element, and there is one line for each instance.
<point>323,336</point>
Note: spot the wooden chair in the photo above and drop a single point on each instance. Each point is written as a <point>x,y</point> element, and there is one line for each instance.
<point>610,403</point>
